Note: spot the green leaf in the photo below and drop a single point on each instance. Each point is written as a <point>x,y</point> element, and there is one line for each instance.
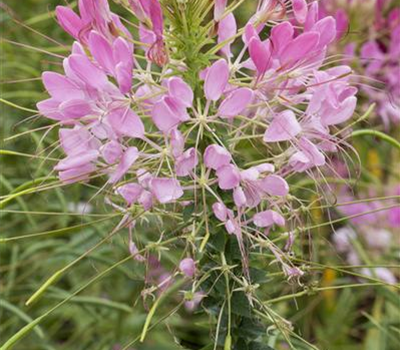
<point>240,304</point>
<point>259,346</point>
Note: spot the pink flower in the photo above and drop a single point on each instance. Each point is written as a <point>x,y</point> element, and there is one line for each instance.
<point>115,59</point>
<point>188,267</point>
<point>192,304</point>
<point>94,15</point>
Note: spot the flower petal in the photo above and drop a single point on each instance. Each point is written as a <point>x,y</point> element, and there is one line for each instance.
<point>216,80</point>
<point>228,177</point>
<point>216,156</point>
<point>274,185</point>
<point>235,103</point>
<point>126,122</point>
<point>166,190</point>
<point>283,127</point>
<point>268,218</point>
<point>129,157</point>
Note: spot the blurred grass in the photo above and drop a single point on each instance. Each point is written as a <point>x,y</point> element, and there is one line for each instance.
<point>110,312</point>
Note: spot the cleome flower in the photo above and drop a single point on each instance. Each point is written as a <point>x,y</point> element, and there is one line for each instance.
<point>223,130</point>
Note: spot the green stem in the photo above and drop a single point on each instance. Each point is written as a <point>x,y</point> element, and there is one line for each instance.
<point>378,134</point>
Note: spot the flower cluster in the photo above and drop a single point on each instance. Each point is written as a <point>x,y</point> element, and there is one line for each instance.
<point>378,51</point>
<point>225,128</point>
<point>378,228</point>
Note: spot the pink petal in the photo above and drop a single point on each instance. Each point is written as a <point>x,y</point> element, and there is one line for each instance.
<point>281,35</point>
<point>312,152</point>
<point>87,71</point>
<point>275,185</point>
<point>300,10</point>
<point>249,33</point>
<point>102,51</point>
<point>342,23</point>
<point>235,103</point>
<point>163,117</point>
<point>50,109</point>
<point>228,177</point>
<point>265,168</point>
<point>76,174</point>
<point>283,127</point>
<point>60,87</point>
<point>216,156</point>
<point>239,197</point>
<point>186,162</point>
<point>216,80</point>
<point>343,113</point>
<point>312,16</point>
<point>123,74</point>
<point>220,211</point>
<point>156,17</point>
<point>111,152</point>
<point>166,190</point>
<point>219,9</point>
<point>123,51</point>
<point>188,267</point>
<point>77,160</point>
<point>177,143</point>
<point>299,49</point>
<point>226,30</point>
<point>326,28</point>
<point>129,157</point>
<point>147,37</point>
<point>69,21</point>
<point>126,122</point>
<point>138,10</point>
<point>268,218</point>
<point>250,174</point>
<point>77,108</point>
<point>75,140</point>
<point>260,54</point>
<point>181,91</point>
<point>123,56</point>
<point>146,200</point>
<point>130,192</point>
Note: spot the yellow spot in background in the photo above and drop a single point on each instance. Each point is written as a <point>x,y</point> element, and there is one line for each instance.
<point>374,164</point>
<point>329,296</point>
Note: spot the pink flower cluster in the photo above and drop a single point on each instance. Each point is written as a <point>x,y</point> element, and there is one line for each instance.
<point>378,52</point>
<point>377,228</point>
<point>145,129</point>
